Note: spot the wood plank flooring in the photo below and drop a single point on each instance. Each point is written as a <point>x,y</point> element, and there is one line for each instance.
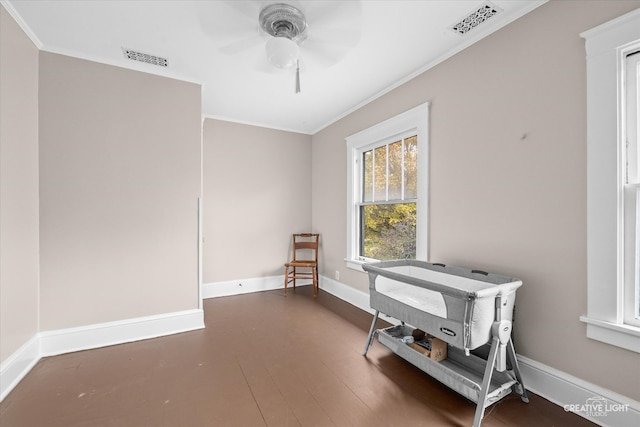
<point>263,360</point>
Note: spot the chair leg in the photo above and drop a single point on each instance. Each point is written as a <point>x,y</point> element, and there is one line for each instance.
<point>314,274</point>
<point>286,279</point>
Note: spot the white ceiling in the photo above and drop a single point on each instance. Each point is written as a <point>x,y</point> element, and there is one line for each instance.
<point>355,50</point>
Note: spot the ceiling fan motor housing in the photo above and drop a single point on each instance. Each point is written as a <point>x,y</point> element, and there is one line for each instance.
<point>284,20</point>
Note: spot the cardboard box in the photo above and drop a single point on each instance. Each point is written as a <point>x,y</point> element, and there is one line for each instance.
<point>438,348</point>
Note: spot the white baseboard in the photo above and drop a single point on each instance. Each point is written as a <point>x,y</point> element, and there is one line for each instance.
<point>13,370</point>
<point>119,332</point>
<point>353,296</point>
<point>244,286</point>
<point>545,381</point>
<point>346,293</point>
<point>574,394</point>
<point>51,343</point>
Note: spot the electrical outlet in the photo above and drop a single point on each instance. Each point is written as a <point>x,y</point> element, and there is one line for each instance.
<point>337,275</point>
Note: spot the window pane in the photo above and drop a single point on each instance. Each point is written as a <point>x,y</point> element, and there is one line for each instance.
<point>388,231</point>
<point>633,117</point>
<point>380,174</point>
<point>395,171</point>
<point>633,130</point>
<point>636,311</point>
<point>411,168</point>
<point>367,172</point>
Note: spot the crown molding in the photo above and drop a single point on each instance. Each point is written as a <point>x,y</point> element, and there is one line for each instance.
<point>8,6</point>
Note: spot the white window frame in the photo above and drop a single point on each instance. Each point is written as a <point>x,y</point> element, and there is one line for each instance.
<point>414,121</point>
<point>631,199</point>
<point>607,47</point>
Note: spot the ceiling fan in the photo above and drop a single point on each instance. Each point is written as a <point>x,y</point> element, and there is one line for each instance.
<point>287,27</point>
<point>314,33</point>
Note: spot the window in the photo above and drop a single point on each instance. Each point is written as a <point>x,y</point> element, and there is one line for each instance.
<point>387,206</point>
<point>613,182</point>
<point>631,201</point>
<point>387,190</point>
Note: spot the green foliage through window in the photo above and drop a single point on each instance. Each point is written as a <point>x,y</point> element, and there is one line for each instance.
<point>389,231</point>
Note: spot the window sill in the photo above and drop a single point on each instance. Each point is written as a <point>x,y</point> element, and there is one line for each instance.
<point>624,336</point>
<point>355,264</point>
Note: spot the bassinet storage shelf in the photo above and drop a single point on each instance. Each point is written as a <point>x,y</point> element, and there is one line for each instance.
<point>461,373</point>
<point>466,309</point>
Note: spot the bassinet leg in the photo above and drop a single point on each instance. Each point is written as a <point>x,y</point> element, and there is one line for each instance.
<point>511,355</point>
<point>486,381</point>
<point>371,332</point>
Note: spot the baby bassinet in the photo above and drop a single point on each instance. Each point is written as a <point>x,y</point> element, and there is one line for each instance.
<point>465,308</point>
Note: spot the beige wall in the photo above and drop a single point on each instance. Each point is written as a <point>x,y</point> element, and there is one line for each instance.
<point>507,178</point>
<point>257,192</point>
<point>18,187</point>
<point>119,183</point>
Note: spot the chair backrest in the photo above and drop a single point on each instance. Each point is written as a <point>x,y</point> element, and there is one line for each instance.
<point>305,242</point>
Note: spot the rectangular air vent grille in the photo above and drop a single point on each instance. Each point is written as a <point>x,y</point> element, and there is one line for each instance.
<point>477,17</point>
<point>145,57</point>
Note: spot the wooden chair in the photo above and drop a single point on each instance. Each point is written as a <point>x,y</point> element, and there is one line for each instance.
<point>307,245</point>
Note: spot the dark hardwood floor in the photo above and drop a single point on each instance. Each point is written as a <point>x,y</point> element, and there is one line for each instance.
<point>263,360</point>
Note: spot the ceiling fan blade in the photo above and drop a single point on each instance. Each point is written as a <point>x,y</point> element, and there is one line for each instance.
<point>338,14</point>
<point>348,37</point>
<point>320,56</point>
<point>262,65</point>
<point>247,9</point>
<point>334,28</point>
<point>241,45</point>
<point>231,25</point>
<point>326,51</point>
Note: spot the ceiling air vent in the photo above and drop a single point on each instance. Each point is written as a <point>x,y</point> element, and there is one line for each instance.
<point>475,18</point>
<point>145,57</point>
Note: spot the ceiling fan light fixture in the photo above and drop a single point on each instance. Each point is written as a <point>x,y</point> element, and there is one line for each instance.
<point>282,52</point>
